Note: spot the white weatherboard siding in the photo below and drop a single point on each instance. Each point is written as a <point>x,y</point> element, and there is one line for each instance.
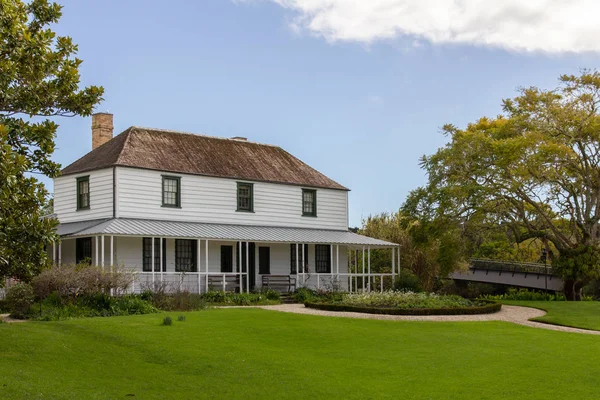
<point>101,196</point>
<point>214,200</point>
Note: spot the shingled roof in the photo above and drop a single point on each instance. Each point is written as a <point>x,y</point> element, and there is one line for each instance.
<point>188,153</point>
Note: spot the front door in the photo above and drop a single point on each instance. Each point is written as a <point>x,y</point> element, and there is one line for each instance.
<point>251,265</point>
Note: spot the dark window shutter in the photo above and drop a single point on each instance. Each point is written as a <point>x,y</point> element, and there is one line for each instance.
<point>264,260</point>
<point>226,258</point>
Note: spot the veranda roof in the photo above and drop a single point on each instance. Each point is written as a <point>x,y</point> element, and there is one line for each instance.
<point>195,230</point>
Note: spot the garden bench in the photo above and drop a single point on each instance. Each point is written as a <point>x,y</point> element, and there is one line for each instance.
<point>286,282</point>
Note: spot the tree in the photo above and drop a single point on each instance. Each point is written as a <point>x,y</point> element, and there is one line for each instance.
<point>39,80</point>
<point>430,249</point>
<point>533,171</point>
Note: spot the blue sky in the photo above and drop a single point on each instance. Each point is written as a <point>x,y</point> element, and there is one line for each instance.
<point>359,100</point>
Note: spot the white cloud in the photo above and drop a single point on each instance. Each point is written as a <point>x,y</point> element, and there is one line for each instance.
<point>553,26</point>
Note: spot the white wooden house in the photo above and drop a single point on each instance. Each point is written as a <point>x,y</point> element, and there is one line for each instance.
<point>204,213</point>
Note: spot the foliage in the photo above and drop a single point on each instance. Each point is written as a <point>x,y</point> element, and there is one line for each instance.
<point>524,294</point>
<point>186,301</point>
<point>39,77</point>
<point>303,294</point>
<point>488,308</point>
<point>408,281</point>
<point>167,321</point>
<point>270,294</point>
<point>19,299</point>
<point>399,299</point>
<point>56,307</point>
<point>429,247</point>
<point>70,281</point>
<point>532,172</point>
<point>181,318</point>
<point>470,290</point>
<point>176,301</point>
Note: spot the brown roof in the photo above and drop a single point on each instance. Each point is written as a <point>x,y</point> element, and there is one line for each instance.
<point>187,153</point>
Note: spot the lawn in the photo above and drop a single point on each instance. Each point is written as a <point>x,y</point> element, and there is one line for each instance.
<point>578,314</point>
<point>256,354</point>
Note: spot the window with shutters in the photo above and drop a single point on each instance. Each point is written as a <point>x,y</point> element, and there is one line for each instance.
<point>147,255</point>
<point>322,259</point>
<point>185,255</point>
<point>301,262</point>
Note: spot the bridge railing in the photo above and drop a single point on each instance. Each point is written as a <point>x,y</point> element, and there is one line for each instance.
<point>510,266</point>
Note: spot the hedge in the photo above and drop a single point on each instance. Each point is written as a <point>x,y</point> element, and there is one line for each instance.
<point>489,308</point>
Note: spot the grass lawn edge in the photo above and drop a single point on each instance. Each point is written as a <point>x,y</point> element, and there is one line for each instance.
<point>523,303</point>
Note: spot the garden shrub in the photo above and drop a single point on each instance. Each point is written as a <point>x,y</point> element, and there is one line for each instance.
<point>399,299</point>
<point>70,281</point>
<point>487,308</point>
<point>525,294</point>
<point>181,318</point>
<point>167,321</point>
<point>470,290</point>
<point>19,299</point>
<point>408,281</point>
<point>303,294</point>
<point>186,301</point>
<point>55,308</point>
<point>403,303</point>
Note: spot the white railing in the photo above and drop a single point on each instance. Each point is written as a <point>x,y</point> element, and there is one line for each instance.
<point>201,282</point>
<point>194,282</point>
<point>351,281</point>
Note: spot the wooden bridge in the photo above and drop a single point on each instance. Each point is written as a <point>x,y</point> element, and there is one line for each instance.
<point>527,275</point>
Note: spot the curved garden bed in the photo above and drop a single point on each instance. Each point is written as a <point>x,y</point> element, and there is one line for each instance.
<point>489,308</point>
<point>403,303</point>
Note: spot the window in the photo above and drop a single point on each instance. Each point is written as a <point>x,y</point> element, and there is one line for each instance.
<point>226,258</point>
<point>147,254</point>
<point>264,260</point>
<point>293,258</point>
<point>83,250</point>
<point>83,193</point>
<point>245,201</point>
<point>322,259</point>
<point>185,255</point>
<point>309,203</point>
<point>171,191</point>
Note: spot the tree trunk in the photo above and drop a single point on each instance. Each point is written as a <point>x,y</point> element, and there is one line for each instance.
<point>572,290</point>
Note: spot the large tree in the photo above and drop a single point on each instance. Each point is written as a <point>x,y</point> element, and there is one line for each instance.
<point>39,80</point>
<point>533,171</point>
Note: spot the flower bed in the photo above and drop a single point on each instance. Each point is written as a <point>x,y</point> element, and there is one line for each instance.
<point>405,303</point>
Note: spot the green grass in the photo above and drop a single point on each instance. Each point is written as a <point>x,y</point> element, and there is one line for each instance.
<point>256,354</point>
<point>577,314</point>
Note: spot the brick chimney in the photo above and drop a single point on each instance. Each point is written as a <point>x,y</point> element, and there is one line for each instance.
<point>102,129</point>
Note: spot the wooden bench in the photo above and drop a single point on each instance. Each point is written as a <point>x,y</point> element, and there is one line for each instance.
<point>216,282</point>
<point>286,282</point>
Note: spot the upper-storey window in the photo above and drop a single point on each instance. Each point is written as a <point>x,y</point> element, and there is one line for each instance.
<point>83,192</point>
<point>171,191</point>
<point>309,202</point>
<point>245,201</point>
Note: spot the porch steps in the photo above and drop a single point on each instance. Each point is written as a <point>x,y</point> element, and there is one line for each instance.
<point>288,298</point>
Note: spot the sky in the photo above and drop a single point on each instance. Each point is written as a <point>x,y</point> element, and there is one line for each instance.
<point>358,89</point>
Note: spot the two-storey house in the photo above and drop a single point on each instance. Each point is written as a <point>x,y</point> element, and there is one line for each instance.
<point>204,213</point>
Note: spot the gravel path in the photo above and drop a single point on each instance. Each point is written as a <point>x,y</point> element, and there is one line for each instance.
<point>514,314</point>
